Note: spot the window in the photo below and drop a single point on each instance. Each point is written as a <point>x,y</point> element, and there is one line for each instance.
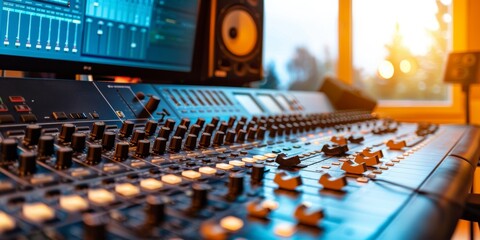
<point>399,48</point>
<point>300,43</point>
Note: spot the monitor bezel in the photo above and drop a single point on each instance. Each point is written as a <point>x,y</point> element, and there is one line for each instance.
<point>64,67</point>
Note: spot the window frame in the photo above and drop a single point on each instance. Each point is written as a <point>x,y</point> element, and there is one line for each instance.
<point>420,111</point>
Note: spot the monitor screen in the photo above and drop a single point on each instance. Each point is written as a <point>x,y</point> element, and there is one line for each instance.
<point>146,34</point>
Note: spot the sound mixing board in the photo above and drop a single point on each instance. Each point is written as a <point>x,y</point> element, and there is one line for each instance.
<point>97,160</point>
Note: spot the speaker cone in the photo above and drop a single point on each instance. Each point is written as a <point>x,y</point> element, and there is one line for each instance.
<point>239,32</point>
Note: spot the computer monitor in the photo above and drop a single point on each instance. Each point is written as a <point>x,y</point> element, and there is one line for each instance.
<point>106,37</point>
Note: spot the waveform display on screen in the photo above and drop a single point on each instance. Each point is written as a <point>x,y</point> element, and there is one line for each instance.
<point>137,33</point>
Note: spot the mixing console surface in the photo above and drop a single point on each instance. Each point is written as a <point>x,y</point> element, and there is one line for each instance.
<point>167,162</point>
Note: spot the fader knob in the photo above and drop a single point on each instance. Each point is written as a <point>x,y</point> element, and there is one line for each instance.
<point>32,135</point>
<point>235,185</point>
<point>209,128</point>
<point>127,129</point>
<point>199,196</point>
<point>218,139</point>
<point>108,140</point>
<point>175,144</point>
<point>170,123</point>
<point>252,134</point>
<point>137,136</point>
<point>285,161</point>
<point>241,136</point>
<point>94,154</point>
<point>143,148</point>
<point>78,142</point>
<point>64,158</point>
<point>200,122</point>
<point>191,142</point>
<point>159,146</point>
<point>185,122</point>
<point>215,121</point>
<point>195,129</point>
<point>66,133</point>
<point>258,171</point>
<point>205,140</point>
<point>151,127</point>
<point>94,226</point>
<point>181,130</point>
<point>230,138</point>
<point>223,127</point>
<point>98,129</point>
<point>8,151</point>
<point>152,104</point>
<point>27,165</point>
<point>155,209</point>
<point>121,151</point>
<point>165,132</point>
<point>45,146</point>
<point>261,133</point>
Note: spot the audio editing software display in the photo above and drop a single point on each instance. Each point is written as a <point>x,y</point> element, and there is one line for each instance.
<point>154,34</point>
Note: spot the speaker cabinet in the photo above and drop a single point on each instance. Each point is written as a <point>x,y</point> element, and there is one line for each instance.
<point>235,42</point>
<point>463,67</point>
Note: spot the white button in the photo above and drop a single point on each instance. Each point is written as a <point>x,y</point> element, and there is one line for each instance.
<point>260,157</point>
<point>384,167</point>
<point>171,179</point>
<point>207,170</point>
<point>7,223</point>
<point>285,230</point>
<point>362,179</point>
<point>270,204</point>
<point>223,166</point>
<point>73,203</point>
<point>336,163</point>
<point>326,167</point>
<point>231,223</point>
<point>377,171</point>
<point>395,160</point>
<point>270,155</point>
<point>236,163</point>
<point>151,184</point>
<point>127,189</point>
<point>38,212</point>
<point>390,164</point>
<point>100,196</point>
<point>249,160</point>
<point>191,174</point>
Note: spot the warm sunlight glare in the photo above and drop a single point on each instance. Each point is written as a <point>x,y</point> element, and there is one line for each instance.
<point>405,66</point>
<point>386,70</point>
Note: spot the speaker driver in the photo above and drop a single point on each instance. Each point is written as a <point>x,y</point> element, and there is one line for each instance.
<point>239,32</point>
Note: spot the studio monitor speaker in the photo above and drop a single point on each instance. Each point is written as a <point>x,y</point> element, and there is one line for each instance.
<point>463,67</point>
<point>234,41</point>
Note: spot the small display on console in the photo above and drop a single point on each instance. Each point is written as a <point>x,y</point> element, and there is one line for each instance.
<point>248,103</point>
<point>271,105</point>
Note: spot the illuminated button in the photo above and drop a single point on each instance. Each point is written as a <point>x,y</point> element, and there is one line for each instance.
<point>191,174</point>
<point>16,99</point>
<point>127,189</point>
<point>326,167</point>
<point>100,196</point>
<point>171,179</point>
<point>401,157</point>
<point>270,204</point>
<point>137,163</point>
<point>285,230</point>
<point>384,167</point>
<point>22,108</point>
<point>7,223</point>
<point>110,167</point>
<point>236,163</point>
<point>395,160</point>
<point>3,108</point>
<point>59,115</point>
<point>38,212</point>
<point>336,163</point>
<point>151,184</point>
<point>362,179</point>
<point>270,155</point>
<point>231,223</point>
<point>73,203</point>
<point>260,157</point>
<point>223,166</point>
<point>207,170</point>
<point>249,160</point>
<point>390,164</point>
<point>377,171</point>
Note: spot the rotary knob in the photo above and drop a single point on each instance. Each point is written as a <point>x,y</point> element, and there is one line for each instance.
<point>108,140</point>
<point>159,146</point>
<point>66,133</point>
<point>235,185</point>
<point>127,129</point>
<point>32,135</point>
<point>175,144</point>
<point>185,122</point>
<point>78,142</point>
<point>45,146</point>
<point>94,154</point>
<point>165,132</point>
<point>150,128</point>
<point>137,136</point>
<point>27,165</point>
<point>98,129</point>
<point>121,151</point>
<point>152,104</point>
<point>205,140</point>
<point>191,142</point>
<point>143,148</point>
<point>8,151</point>
<point>64,158</point>
<point>218,138</point>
